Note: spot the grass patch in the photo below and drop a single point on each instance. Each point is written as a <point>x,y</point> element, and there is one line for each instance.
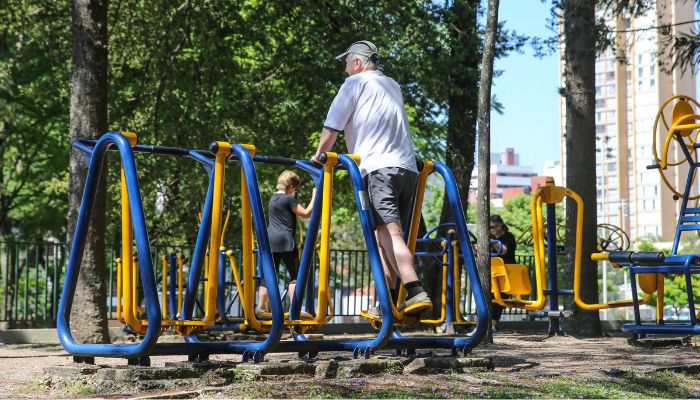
<point>78,388</point>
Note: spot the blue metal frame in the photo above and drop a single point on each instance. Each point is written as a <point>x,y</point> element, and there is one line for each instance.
<point>456,344</point>
<point>388,337</point>
<point>250,350</point>
<point>96,157</point>
<point>685,264</point>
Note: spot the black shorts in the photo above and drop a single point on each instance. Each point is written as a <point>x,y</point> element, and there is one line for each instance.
<point>391,192</point>
<point>291,261</point>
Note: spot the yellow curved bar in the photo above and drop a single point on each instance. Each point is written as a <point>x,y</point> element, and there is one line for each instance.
<point>577,265</point>
<point>676,127</point>
<point>128,268</point>
<point>132,137</point>
<point>225,228</point>
<point>538,249</point>
<point>210,292</point>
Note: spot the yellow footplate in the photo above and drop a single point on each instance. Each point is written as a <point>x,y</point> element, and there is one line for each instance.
<point>401,320</point>
<point>417,309</point>
<point>307,323</point>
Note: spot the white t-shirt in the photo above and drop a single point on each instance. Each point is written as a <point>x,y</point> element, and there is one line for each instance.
<point>369,109</point>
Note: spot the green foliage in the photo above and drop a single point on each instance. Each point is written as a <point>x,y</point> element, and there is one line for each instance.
<point>432,204</point>
<point>186,74</point>
<point>34,100</point>
<point>261,73</point>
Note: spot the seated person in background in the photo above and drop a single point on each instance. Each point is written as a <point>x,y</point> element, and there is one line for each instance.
<point>498,230</point>
<point>283,210</point>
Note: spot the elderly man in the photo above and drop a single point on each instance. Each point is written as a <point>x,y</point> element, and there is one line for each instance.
<point>369,109</point>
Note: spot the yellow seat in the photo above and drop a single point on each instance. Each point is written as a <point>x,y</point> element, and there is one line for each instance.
<point>519,279</point>
<point>512,279</point>
<point>499,276</point>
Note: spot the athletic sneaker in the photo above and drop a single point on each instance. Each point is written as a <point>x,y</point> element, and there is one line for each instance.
<point>418,303</point>
<point>375,312</point>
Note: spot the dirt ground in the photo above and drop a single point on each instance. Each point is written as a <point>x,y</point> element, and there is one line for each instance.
<point>526,365</point>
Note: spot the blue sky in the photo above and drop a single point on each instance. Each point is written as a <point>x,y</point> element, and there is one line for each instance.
<point>528,90</point>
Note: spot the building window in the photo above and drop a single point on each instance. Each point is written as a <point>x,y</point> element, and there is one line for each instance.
<point>639,59</point>
<point>652,82</point>
<point>639,85</point>
<point>651,70</point>
<point>640,73</point>
<point>611,76</point>
<point>600,102</point>
<point>599,128</point>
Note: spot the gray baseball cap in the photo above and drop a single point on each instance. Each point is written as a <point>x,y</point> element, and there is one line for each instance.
<point>363,48</point>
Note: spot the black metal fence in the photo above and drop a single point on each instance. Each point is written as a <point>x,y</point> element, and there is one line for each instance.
<point>31,276</point>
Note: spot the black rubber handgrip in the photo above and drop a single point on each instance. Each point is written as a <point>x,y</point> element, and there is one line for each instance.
<point>642,257</point>
<point>648,257</point>
<point>653,166</point>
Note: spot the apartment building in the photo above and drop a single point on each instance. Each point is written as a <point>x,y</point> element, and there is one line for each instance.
<point>629,92</point>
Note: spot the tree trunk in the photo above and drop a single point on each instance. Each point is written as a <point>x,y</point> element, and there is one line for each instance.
<point>483,210</point>
<point>88,119</point>
<point>579,93</point>
<point>463,100</point>
<point>462,107</point>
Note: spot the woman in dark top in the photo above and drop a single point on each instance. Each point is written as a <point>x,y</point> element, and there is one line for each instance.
<point>499,230</point>
<point>283,210</point>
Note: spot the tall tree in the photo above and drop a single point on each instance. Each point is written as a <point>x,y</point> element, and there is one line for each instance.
<point>88,118</point>
<point>483,210</point>
<point>462,101</point>
<point>33,118</point>
<point>579,94</point>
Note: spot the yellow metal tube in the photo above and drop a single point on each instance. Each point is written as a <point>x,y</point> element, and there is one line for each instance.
<point>247,257</point>
<point>457,283</point>
<point>325,248</point>
<point>128,268</point>
<point>222,152</point>
<point>134,290</point>
<point>659,297</point>
<point>225,228</point>
<point>234,269</point>
<point>118,261</point>
<point>428,167</point>
<point>180,281</point>
<point>164,303</point>
<point>443,297</point>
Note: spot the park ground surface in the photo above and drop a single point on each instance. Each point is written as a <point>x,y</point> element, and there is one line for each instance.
<point>525,365</point>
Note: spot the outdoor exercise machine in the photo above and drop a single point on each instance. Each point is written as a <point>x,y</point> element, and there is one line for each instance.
<point>683,131</point>
<point>133,228</point>
<point>514,279</point>
<point>449,295</point>
<point>387,337</point>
